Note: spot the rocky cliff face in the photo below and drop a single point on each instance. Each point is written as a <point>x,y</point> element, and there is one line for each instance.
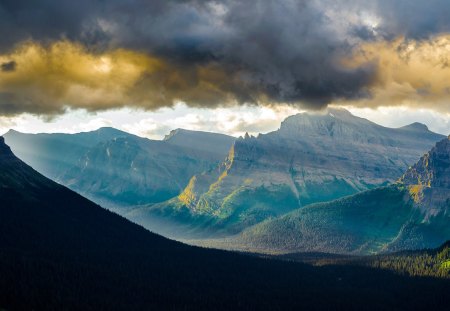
<point>313,157</point>
<point>428,180</point>
<point>433,169</point>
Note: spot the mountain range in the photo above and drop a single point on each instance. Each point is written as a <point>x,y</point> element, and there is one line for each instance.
<point>59,251</point>
<point>413,213</point>
<point>117,169</point>
<point>312,158</point>
<point>194,185</point>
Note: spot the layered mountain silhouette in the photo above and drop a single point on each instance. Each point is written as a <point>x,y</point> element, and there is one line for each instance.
<point>117,169</point>
<point>59,251</point>
<point>413,213</point>
<point>313,157</point>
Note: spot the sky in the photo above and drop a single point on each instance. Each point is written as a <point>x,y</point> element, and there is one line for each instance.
<point>225,66</point>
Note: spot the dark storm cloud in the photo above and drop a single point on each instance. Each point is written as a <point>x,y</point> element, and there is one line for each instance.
<point>8,66</point>
<point>44,20</point>
<point>275,51</point>
<point>414,19</point>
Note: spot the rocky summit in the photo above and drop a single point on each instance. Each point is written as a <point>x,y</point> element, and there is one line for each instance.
<point>433,169</point>
<point>428,180</point>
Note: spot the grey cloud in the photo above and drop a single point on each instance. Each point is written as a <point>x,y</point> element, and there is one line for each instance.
<point>280,51</point>
<point>414,19</point>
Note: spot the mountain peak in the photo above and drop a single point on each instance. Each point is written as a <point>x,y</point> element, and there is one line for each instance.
<point>335,123</point>
<point>109,130</point>
<point>180,132</point>
<point>433,169</point>
<point>327,115</point>
<point>12,132</point>
<point>328,112</point>
<point>211,143</point>
<point>188,138</point>
<point>173,133</point>
<point>341,112</point>
<point>416,126</point>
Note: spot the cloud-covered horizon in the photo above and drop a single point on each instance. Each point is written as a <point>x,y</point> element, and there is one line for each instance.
<point>99,55</point>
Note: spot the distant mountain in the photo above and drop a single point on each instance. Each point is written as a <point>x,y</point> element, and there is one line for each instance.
<point>313,157</point>
<point>53,154</point>
<point>214,143</point>
<point>411,214</point>
<point>60,251</point>
<point>117,169</point>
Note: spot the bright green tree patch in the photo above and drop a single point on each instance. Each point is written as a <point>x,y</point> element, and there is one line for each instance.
<point>445,265</point>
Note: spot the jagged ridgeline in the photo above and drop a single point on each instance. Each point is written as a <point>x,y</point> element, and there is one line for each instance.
<point>414,213</point>
<point>313,157</point>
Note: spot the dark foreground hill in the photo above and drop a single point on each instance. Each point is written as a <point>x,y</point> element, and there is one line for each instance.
<point>59,251</point>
